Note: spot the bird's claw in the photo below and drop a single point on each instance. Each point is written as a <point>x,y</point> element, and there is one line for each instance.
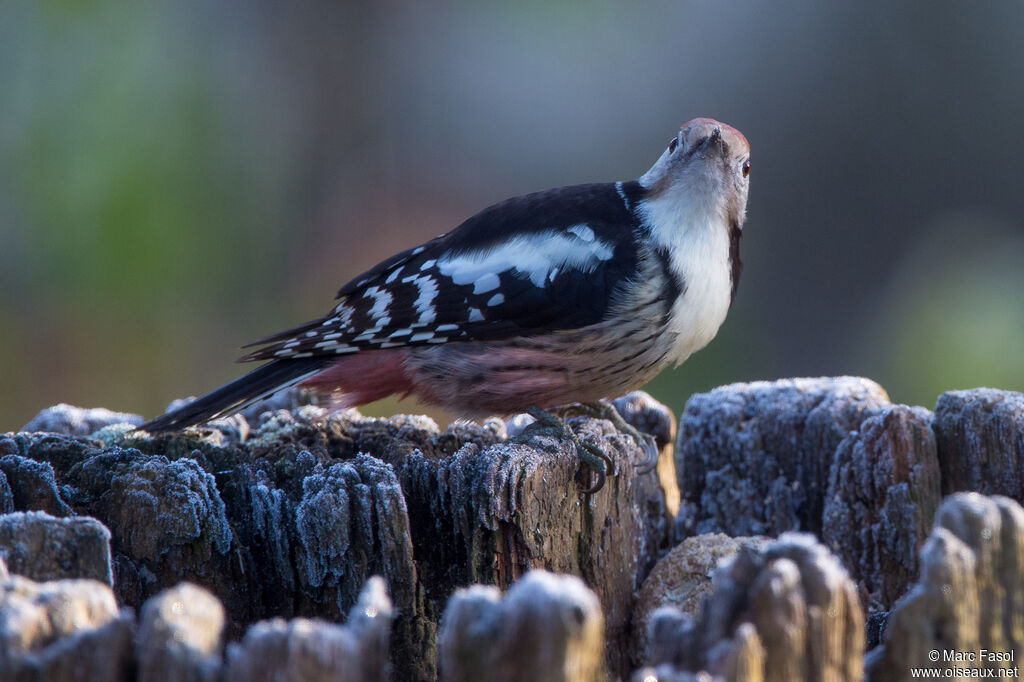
<point>593,457</point>
<point>598,461</point>
<point>608,411</point>
<point>650,460</point>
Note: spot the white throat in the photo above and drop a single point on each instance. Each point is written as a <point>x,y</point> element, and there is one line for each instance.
<point>696,235</point>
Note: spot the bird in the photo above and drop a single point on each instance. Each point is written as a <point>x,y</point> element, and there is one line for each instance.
<point>568,296</point>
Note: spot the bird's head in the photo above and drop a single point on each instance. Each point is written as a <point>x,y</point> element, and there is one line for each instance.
<point>705,166</point>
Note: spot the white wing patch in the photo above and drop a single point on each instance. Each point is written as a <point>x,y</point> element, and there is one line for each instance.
<point>381,301</point>
<point>535,255</point>
<point>425,301</point>
<point>582,231</point>
<point>390,314</point>
<point>488,282</point>
<point>342,318</point>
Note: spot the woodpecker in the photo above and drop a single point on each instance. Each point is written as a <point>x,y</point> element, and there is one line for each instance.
<point>569,295</point>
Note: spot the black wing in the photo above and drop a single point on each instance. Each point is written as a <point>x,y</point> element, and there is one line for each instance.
<point>540,262</point>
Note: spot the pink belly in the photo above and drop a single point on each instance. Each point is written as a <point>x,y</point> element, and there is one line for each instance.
<point>500,378</point>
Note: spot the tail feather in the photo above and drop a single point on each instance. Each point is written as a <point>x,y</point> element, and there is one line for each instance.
<point>238,394</point>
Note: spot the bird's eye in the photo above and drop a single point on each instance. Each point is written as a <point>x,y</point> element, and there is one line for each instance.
<point>746,168</point>
<point>672,144</point>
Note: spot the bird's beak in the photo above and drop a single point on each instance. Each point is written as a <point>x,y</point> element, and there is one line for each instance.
<point>713,142</point>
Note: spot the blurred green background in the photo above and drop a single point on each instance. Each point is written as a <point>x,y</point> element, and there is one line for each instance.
<point>180,178</point>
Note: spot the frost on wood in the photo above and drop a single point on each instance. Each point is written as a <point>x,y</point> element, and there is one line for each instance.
<point>980,436</point>
<point>28,484</point>
<point>548,627</point>
<point>76,421</point>
<point>166,518</point>
<point>882,494</point>
<point>969,597</point>
<point>831,456</point>
<point>494,514</point>
<point>289,515</point>
<point>788,612</point>
<point>352,523</point>
<point>71,631</point>
<point>41,547</point>
<point>62,631</point>
<point>754,459</point>
<point>179,637</point>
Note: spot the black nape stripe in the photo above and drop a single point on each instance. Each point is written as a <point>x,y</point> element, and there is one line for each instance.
<point>673,281</point>
<point>632,193</point>
<point>736,265</point>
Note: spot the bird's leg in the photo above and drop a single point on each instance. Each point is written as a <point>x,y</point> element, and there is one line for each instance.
<point>603,410</point>
<point>548,424</point>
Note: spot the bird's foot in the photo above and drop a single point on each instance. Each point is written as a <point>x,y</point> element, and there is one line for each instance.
<point>547,424</point>
<point>603,410</point>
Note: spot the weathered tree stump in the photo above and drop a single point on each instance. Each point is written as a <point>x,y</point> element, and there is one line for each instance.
<point>754,459</point>
<point>968,600</point>
<point>41,547</point>
<point>980,437</point>
<point>682,580</point>
<point>882,494</point>
<point>63,631</point>
<point>548,627</point>
<point>787,612</point>
<point>318,651</point>
<point>291,517</point>
<point>280,520</point>
<point>828,456</point>
<point>179,637</point>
